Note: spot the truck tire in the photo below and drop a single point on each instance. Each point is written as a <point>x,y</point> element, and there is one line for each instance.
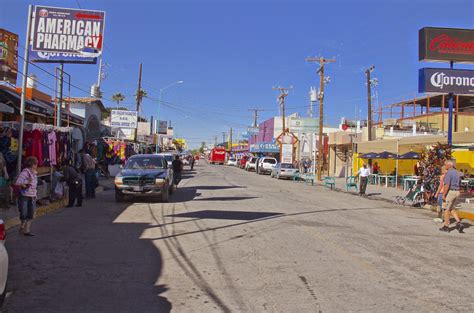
<point>119,197</point>
<point>165,196</point>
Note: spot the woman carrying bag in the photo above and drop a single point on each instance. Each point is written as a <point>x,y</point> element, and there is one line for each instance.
<point>26,190</point>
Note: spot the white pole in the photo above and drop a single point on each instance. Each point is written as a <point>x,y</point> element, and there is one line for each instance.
<point>23,88</point>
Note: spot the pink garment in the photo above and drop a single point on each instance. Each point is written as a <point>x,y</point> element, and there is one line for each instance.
<point>52,148</point>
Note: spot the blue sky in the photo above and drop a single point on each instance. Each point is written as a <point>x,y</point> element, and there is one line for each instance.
<point>231,53</point>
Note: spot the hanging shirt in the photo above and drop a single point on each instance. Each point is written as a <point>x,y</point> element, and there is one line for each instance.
<point>37,150</point>
<point>52,148</point>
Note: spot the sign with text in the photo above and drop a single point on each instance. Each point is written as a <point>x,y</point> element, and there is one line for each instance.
<point>442,80</point>
<point>124,119</point>
<point>287,153</point>
<point>53,57</point>
<point>8,56</point>
<point>446,44</point>
<point>162,127</point>
<point>68,31</point>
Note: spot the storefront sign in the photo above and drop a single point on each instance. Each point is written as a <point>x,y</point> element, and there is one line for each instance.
<point>8,56</point>
<point>304,125</point>
<point>287,153</point>
<point>68,31</point>
<point>446,44</point>
<point>265,147</point>
<point>440,80</point>
<point>124,119</point>
<point>163,127</point>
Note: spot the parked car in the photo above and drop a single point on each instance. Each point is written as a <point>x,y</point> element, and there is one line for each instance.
<point>232,162</point>
<point>3,263</point>
<point>283,170</point>
<point>169,157</point>
<point>144,175</point>
<point>251,164</point>
<point>265,165</point>
<point>243,162</point>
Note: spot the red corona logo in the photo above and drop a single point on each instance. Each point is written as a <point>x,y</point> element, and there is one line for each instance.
<point>452,45</point>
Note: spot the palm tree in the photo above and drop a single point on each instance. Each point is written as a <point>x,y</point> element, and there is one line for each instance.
<point>118,97</point>
<point>142,94</point>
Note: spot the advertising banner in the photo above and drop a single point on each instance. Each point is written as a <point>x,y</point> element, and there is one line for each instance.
<point>163,127</point>
<point>446,44</point>
<point>304,125</point>
<point>8,56</point>
<point>124,119</point>
<point>442,80</point>
<point>287,153</point>
<point>52,57</point>
<point>68,31</point>
<point>265,147</point>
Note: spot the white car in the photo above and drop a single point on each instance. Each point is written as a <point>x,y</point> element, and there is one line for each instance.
<point>251,164</point>
<point>3,263</point>
<point>283,170</point>
<point>265,165</point>
<point>232,162</point>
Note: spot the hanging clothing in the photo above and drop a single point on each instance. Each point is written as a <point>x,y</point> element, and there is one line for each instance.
<point>52,140</point>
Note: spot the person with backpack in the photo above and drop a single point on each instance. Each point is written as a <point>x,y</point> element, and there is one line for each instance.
<point>26,190</point>
<point>74,182</point>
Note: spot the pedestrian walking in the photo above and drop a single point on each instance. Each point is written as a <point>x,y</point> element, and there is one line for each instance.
<point>191,162</point>
<point>74,182</point>
<point>450,196</point>
<point>88,169</point>
<point>363,174</point>
<point>177,165</point>
<point>26,184</point>
<point>439,195</point>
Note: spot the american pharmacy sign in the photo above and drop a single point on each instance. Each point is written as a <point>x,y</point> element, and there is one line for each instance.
<point>63,30</point>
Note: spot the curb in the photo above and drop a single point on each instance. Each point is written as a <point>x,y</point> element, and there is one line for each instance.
<point>462,214</point>
<point>43,210</point>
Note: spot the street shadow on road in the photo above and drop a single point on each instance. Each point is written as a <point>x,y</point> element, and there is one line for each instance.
<point>275,215</point>
<point>226,215</point>
<point>224,198</point>
<point>88,259</point>
<point>216,187</point>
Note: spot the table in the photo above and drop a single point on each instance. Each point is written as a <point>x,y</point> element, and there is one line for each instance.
<point>386,178</point>
<point>408,180</point>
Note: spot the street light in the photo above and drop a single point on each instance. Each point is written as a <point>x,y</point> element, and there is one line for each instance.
<point>158,115</point>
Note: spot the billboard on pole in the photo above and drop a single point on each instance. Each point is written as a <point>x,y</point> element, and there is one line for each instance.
<point>443,80</point>
<point>446,44</point>
<point>65,32</point>
<point>124,119</point>
<point>162,127</point>
<point>8,56</point>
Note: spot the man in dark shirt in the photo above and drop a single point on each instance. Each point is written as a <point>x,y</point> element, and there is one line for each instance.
<point>450,197</point>
<point>74,182</point>
<point>177,169</point>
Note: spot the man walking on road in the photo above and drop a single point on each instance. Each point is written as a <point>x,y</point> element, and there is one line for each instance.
<point>363,174</point>
<point>450,197</point>
<point>177,169</point>
<point>88,168</point>
<point>74,182</point>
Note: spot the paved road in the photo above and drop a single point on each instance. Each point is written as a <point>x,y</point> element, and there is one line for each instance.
<point>232,241</point>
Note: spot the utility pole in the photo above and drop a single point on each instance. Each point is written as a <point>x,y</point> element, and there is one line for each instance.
<point>223,137</point>
<point>139,99</point>
<point>230,141</point>
<point>369,102</point>
<point>281,97</point>
<point>255,116</point>
<point>215,141</point>
<point>322,81</point>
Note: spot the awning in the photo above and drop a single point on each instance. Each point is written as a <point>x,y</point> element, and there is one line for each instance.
<point>4,108</point>
<point>8,96</point>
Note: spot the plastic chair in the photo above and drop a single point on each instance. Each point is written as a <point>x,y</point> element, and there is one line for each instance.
<point>309,178</point>
<point>329,182</point>
<point>351,183</point>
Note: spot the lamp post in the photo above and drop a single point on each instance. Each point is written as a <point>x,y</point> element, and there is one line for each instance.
<point>158,115</point>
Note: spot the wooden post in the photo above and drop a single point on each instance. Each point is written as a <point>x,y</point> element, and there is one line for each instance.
<point>414,107</point>
<point>403,110</point>
<point>442,113</point>
<point>456,116</point>
<point>428,105</point>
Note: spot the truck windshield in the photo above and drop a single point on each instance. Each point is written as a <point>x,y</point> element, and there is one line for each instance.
<point>143,163</point>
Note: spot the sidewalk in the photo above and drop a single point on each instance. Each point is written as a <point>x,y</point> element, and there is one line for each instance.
<point>10,215</point>
<point>390,194</point>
